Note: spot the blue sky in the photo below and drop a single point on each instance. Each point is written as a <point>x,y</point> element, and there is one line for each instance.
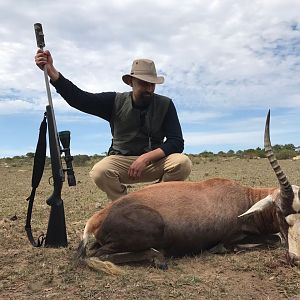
<point>225,64</point>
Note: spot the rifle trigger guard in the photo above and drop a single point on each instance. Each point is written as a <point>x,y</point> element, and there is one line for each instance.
<point>41,240</point>
<point>49,180</point>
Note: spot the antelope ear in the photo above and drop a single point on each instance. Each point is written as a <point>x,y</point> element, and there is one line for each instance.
<point>291,219</point>
<point>258,206</point>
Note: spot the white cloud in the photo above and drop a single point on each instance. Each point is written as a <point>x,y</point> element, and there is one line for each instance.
<point>15,107</point>
<point>189,117</point>
<point>218,49</point>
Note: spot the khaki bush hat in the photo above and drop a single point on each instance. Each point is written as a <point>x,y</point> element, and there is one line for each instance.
<point>143,69</point>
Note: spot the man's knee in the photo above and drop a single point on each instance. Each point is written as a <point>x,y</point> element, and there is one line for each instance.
<point>108,181</point>
<point>100,174</point>
<point>180,167</point>
<point>184,165</point>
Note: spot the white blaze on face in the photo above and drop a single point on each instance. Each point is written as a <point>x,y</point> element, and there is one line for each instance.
<point>296,201</point>
<point>294,234</point>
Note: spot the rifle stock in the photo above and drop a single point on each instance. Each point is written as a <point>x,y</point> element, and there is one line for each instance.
<point>56,232</point>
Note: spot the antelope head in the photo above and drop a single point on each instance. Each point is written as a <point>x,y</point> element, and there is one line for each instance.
<point>285,201</point>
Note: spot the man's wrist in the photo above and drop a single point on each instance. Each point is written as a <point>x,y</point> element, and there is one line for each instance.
<point>53,74</point>
<point>145,158</point>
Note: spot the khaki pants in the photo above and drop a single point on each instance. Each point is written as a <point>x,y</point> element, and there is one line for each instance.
<point>111,173</point>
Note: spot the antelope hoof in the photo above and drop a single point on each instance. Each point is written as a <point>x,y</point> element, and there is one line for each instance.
<point>162,265</point>
<point>293,259</point>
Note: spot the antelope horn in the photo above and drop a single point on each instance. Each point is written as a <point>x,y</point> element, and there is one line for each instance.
<point>285,187</point>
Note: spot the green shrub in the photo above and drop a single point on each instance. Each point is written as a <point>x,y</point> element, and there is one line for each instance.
<point>285,154</point>
<point>81,160</point>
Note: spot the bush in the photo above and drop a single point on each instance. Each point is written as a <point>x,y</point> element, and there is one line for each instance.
<point>30,155</point>
<point>285,154</point>
<point>81,160</point>
<point>207,154</point>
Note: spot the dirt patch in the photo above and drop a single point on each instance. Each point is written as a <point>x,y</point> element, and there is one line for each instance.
<point>44,273</point>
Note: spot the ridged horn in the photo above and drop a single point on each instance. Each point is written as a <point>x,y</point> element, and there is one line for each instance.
<point>285,186</point>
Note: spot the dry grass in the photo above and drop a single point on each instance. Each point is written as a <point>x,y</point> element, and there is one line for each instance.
<point>44,273</point>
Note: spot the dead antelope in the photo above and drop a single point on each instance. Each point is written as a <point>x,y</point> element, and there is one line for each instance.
<point>179,218</point>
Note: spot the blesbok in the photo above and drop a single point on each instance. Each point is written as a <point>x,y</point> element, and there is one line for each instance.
<point>178,218</point>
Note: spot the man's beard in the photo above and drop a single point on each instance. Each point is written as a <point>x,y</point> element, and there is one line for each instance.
<point>144,99</point>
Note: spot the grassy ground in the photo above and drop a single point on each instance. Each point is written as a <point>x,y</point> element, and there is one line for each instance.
<point>44,273</point>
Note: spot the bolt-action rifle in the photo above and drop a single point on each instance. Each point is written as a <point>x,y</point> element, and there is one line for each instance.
<point>56,233</point>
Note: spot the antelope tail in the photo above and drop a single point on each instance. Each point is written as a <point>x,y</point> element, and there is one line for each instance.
<point>94,262</point>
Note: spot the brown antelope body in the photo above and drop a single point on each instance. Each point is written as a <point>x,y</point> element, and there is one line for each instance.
<point>178,218</point>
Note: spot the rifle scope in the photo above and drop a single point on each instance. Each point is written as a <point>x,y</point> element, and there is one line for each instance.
<point>64,137</point>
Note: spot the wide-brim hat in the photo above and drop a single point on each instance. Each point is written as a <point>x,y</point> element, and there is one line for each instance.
<point>143,69</point>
